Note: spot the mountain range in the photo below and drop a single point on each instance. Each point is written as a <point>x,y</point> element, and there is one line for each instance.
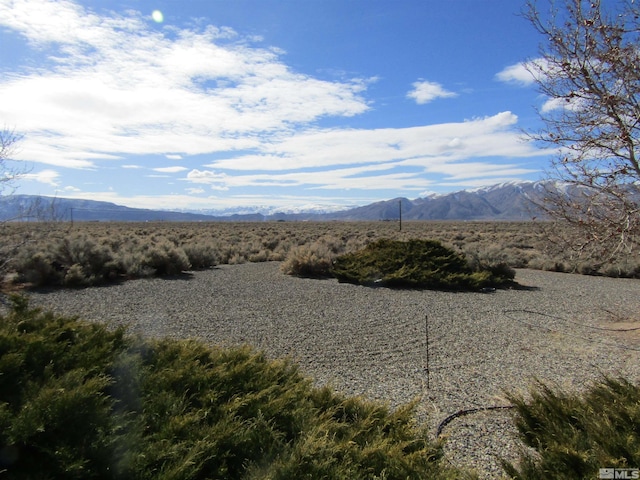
<point>507,201</point>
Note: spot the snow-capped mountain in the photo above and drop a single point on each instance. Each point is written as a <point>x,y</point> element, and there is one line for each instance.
<point>268,210</point>
<point>506,201</point>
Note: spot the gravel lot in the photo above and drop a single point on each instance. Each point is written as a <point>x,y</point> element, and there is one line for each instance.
<point>451,351</point>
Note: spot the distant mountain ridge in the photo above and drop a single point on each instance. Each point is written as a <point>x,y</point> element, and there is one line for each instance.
<point>507,201</point>
<point>38,208</point>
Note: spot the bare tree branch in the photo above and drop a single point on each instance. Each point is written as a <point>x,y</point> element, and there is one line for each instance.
<point>589,70</point>
<point>8,144</point>
<point>9,140</point>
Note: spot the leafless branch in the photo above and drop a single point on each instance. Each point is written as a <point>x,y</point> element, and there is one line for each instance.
<point>589,70</point>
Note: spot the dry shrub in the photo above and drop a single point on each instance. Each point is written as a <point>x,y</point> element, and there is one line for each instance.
<point>35,268</point>
<point>43,253</point>
<point>76,260</point>
<point>166,259</point>
<point>201,255</point>
<point>496,255</point>
<point>76,276</point>
<point>261,256</point>
<point>237,259</point>
<point>313,260</point>
<point>134,266</point>
<point>626,268</point>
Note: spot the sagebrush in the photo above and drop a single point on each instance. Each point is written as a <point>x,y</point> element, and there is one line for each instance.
<point>92,253</point>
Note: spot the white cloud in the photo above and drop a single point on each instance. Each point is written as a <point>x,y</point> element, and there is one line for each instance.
<point>489,136</point>
<point>217,181</point>
<point>118,87</point>
<point>529,72</point>
<point>551,104</point>
<point>517,73</point>
<point>49,177</point>
<point>425,92</point>
<point>478,170</point>
<point>394,158</point>
<point>173,202</point>
<point>573,104</point>
<point>174,169</point>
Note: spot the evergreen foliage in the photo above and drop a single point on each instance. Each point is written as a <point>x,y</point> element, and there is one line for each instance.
<point>416,264</point>
<point>78,400</point>
<point>574,436</point>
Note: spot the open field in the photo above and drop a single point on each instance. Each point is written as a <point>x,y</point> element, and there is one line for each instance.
<point>238,242</point>
<point>450,351</point>
<point>83,254</point>
<point>224,283</point>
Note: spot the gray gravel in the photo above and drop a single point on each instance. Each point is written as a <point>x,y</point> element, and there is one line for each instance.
<point>373,341</point>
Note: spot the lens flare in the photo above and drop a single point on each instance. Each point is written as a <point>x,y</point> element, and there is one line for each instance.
<point>157,16</point>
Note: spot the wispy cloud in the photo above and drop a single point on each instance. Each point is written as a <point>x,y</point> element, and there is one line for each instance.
<point>116,86</point>
<point>174,169</point>
<point>568,104</point>
<point>49,177</point>
<point>335,147</point>
<point>172,202</point>
<point>121,88</point>
<point>528,72</point>
<point>517,73</point>
<point>369,159</point>
<point>217,181</point>
<point>425,92</point>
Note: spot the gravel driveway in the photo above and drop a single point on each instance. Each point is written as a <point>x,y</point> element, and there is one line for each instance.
<point>452,351</point>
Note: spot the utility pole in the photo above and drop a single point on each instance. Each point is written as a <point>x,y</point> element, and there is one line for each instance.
<point>400,215</point>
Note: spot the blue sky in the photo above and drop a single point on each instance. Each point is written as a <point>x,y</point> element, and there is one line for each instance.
<point>285,104</point>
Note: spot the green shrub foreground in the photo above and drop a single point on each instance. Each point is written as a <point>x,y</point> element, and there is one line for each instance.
<point>78,400</point>
<point>576,435</point>
<point>417,264</point>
